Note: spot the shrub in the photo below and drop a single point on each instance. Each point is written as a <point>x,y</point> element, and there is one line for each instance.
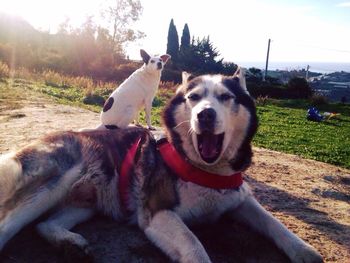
<point>24,73</point>
<point>123,71</point>
<point>94,99</point>
<point>171,75</point>
<point>52,78</point>
<point>318,99</point>
<point>343,100</point>
<point>261,100</point>
<point>81,82</point>
<point>299,88</point>
<point>267,89</point>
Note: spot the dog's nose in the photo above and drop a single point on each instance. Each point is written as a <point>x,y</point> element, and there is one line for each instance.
<point>207,118</point>
<point>159,65</point>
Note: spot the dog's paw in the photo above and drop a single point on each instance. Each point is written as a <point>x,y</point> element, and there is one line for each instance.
<point>306,254</point>
<point>196,256</point>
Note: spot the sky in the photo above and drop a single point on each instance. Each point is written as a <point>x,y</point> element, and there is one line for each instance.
<point>311,31</point>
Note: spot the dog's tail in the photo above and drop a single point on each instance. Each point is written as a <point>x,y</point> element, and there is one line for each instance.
<point>32,181</point>
<point>10,175</point>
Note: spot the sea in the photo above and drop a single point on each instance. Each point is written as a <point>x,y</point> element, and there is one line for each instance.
<point>320,67</point>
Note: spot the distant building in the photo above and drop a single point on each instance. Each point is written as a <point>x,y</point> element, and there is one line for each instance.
<point>336,86</point>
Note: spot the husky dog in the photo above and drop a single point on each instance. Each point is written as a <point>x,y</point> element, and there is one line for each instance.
<point>137,91</point>
<point>192,175</point>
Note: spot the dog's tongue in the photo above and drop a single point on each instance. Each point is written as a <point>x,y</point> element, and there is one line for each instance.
<point>208,145</point>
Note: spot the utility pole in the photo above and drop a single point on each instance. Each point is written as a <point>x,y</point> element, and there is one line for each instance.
<point>267,59</point>
<point>307,73</point>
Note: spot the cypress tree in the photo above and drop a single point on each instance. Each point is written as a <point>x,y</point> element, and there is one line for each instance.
<point>185,38</point>
<point>173,42</point>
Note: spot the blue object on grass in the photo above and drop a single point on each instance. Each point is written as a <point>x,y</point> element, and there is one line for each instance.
<point>314,115</point>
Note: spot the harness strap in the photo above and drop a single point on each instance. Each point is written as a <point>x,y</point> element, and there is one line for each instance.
<point>124,177</point>
<point>182,168</point>
<point>190,173</point>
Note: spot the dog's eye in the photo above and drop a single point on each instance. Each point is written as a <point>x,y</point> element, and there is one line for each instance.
<point>152,61</point>
<point>225,97</point>
<point>194,97</point>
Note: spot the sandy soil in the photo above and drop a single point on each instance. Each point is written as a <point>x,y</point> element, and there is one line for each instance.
<point>311,198</point>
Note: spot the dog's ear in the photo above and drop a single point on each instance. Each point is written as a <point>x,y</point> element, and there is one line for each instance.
<point>240,75</point>
<point>165,58</point>
<point>145,56</point>
<point>186,77</point>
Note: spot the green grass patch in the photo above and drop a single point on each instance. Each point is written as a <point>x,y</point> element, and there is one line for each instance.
<point>287,130</point>
<point>75,96</point>
<point>69,96</point>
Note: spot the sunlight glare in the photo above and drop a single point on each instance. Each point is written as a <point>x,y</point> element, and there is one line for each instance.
<point>47,15</point>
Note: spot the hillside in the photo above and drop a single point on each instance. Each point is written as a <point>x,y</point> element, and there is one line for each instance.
<point>13,28</point>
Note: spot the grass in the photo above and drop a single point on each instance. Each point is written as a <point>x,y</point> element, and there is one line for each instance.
<point>283,125</point>
<point>68,95</point>
<point>10,95</point>
<point>9,99</point>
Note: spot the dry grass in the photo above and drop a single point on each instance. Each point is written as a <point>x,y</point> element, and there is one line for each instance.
<point>9,98</point>
<point>56,79</point>
<point>4,70</point>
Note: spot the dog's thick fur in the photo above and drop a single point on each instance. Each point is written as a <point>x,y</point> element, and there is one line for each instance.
<point>137,91</point>
<point>77,174</point>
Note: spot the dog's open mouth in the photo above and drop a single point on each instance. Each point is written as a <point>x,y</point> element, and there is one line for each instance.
<point>210,146</point>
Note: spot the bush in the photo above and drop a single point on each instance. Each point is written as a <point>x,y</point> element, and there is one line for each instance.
<point>123,71</point>
<point>343,100</point>
<point>171,75</point>
<point>52,78</point>
<point>318,99</point>
<point>94,99</point>
<point>264,89</point>
<point>299,88</point>
<point>262,100</point>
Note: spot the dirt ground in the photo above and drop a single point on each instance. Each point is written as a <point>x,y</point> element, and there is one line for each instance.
<point>311,198</point>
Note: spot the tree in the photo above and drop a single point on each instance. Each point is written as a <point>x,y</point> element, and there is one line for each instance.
<point>65,27</point>
<point>201,57</point>
<point>255,71</point>
<point>299,88</point>
<point>254,75</point>
<point>173,42</point>
<point>185,38</point>
<point>119,18</point>
<point>343,100</point>
<point>204,54</point>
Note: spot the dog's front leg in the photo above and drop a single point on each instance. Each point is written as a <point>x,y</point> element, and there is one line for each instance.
<point>137,118</point>
<point>167,231</point>
<point>148,107</point>
<point>56,231</point>
<point>253,214</point>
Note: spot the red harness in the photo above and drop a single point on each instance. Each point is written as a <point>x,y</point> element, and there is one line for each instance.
<point>190,173</point>
<point>124,177</point>
<point>181,167</point>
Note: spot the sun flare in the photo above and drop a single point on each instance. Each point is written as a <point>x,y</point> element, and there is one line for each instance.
<point>47,15</point>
